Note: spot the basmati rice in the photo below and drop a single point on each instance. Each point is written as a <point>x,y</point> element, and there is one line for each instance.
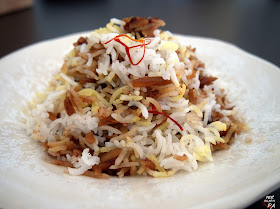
<point>155,123</point>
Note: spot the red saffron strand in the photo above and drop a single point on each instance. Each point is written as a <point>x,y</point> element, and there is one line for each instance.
<point>153,107</point>
<point>162,113</point>
<point>128,53</point>
<point>121,35</point>
<point>142,41</point>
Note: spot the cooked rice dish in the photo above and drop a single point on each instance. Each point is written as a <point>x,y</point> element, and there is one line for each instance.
<point>130,99</point>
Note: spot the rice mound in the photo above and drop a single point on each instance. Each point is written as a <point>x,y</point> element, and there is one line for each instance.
<point>130,99</point>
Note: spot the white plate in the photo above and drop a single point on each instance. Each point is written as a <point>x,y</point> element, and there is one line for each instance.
<point>238,176</point>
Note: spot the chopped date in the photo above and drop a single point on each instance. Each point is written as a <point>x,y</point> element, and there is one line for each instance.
<point>85,80</point>
<point>142,25</point>
<point>180,158</point>
<point>90,137</point>
<point>80,41</point>
<point>148,164</point>
<point>69,106</point>
<point>206,80</point>
<point>52,116</point>
<point>192,96</point>
<point>150,82</point>
<point>134,22</point>
<point>110,155</point>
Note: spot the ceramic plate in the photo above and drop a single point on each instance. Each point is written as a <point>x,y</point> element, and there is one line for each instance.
<point>237,177</point>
